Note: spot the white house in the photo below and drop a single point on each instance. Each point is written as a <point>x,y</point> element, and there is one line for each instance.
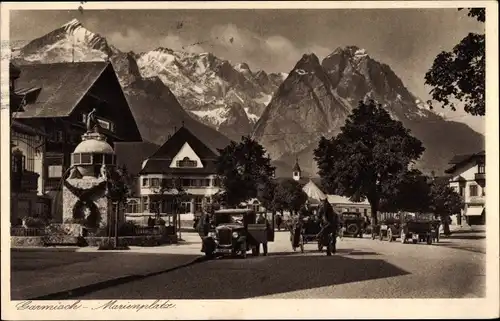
<point>468,178</point>
<point>185,162</point>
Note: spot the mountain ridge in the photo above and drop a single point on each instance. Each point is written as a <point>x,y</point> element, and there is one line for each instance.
<point>286,112</point>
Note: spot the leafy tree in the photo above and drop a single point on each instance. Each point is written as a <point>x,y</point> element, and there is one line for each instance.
<point>118,192</point>
<point>444,202</point>
<point>411,194</point>
<point>460,74</point>
<point>368,158</point>
<point>172,188</point>
<point>289,196</point>
<point>266,194</point>
<point>243,168</point>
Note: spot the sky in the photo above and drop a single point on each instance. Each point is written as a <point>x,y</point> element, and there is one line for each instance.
<point>274,40</point>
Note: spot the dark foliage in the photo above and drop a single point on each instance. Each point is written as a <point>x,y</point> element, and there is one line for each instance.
<point>289,196</point>
<point>243,169</point>
<point>368,158</point>
<point>460,74</point>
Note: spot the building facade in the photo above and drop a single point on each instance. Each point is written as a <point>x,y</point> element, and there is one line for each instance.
<point>27,158</point>
<point>58,99</point>
<point>468,178</point>
<point>179,177</point>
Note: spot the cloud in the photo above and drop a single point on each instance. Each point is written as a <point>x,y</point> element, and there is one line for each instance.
<point>273,53</point>
<point>127,39</point>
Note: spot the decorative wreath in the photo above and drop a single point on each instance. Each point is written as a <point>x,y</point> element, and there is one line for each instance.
<point>84,196</point>
<point>93,219</point>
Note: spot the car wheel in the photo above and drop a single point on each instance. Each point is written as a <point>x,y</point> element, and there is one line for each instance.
<point>389,235</point>
<point>352,229</point>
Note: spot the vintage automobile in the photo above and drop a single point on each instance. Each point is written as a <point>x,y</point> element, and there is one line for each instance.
<point>353,223</point>
<point>235,232</point>
<point>420,228</point>
<point>389,226</point>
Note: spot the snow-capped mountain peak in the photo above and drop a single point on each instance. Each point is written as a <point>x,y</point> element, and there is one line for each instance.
<point>71,42</point>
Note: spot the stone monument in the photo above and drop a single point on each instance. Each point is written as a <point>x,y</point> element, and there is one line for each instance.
<point>85,189</point>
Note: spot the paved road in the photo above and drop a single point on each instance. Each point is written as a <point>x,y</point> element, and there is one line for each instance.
<point>363,268</point>
<point>36,273</point>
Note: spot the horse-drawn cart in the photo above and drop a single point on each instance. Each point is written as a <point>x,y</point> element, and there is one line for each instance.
<point>305,232</point>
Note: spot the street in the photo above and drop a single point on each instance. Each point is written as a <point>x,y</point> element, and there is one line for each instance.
<point>362,268</point>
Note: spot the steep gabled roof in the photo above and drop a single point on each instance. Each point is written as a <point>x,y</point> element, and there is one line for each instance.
<point>172,146</point>
<point>460,160</point>
<point>296,167</point>
<point>159,162</point>
<point>62,85</point>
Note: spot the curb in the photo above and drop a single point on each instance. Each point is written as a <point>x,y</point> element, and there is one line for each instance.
<point>79,291</point>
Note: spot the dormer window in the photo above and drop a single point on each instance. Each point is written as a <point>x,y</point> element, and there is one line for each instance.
<point>186,162</point>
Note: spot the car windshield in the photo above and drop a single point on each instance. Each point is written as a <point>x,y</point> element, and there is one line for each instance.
<point>229,218</point>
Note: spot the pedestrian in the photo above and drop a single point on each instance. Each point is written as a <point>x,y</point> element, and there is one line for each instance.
<point>203,228</point>
<point>279,220</point>
<point>263,220</point>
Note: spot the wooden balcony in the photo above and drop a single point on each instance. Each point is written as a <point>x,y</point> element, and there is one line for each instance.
<point>480,178</point>
<point>29,181</point>
<point>26,181</point>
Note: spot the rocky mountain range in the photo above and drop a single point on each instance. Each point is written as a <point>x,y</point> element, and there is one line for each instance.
<point>154,106</point>
<point>317,97</point>
<point>287,113</point>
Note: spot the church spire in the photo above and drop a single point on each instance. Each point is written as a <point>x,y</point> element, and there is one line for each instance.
<point>296,170</point>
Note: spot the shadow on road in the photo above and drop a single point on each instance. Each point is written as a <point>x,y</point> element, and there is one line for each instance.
<point>464,237</point>
<point>254,277</point>
<point>39,259</point>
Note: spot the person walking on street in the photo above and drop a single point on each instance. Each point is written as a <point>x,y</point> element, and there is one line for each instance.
<point>263,220</point>
<point>279,220</point>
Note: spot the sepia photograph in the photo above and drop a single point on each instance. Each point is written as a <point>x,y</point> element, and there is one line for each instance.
<point>166,159</point>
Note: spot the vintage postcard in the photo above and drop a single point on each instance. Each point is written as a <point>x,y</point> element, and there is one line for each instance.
<point>249,160</point>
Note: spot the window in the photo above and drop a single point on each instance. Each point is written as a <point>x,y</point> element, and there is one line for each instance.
<point>480,168</point>
<point>59,136</point>
<point>108,159</point>
<point>473,190</point>
<point>357,210</point>
<point>186,162</point>
<point>198,205</point>
<point>216,182</point>
<point>98,158</point>
<point>186,183</point>
<point>55,171</point>
<point>145,204</point>
<point>132,206</point>
<point>461,191</point>
<point>145,182</point>
<point>76,158</point>
<point>185,207</point>
<point>86,158</point>
<point>18,161</point>
<point>155,182</point>
<point>365,212</point>
<point>84,118</point>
